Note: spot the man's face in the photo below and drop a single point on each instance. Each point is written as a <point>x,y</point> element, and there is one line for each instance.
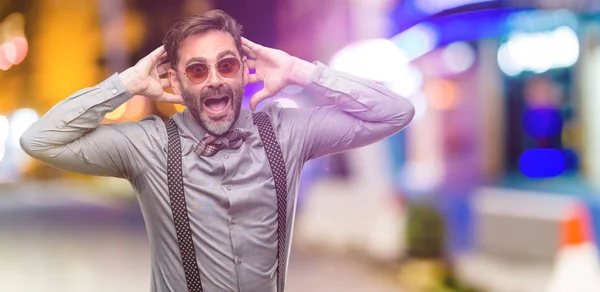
<point>216,101</point>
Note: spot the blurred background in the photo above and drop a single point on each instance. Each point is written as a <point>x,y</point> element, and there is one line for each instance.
<point>494,186</point>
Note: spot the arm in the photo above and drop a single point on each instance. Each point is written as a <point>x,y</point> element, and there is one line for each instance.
<point>70,135</point>
<point>363,112</point>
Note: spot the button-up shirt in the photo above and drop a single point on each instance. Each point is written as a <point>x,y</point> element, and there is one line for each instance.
<point>231,196</point>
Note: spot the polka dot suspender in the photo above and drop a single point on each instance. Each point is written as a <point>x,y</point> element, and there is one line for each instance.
<point>179,208</point>
<point>275,157</point>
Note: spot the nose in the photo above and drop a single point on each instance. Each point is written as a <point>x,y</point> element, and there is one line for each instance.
<point>214,79</point>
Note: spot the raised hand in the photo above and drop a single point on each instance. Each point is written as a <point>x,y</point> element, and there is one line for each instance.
<point>273,67</point>
<point>143,78</point>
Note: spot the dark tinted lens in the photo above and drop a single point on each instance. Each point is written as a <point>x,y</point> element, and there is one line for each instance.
<point>196,72</point>
<point>228,67</point>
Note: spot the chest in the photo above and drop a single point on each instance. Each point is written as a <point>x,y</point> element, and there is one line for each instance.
<point>228,168</point>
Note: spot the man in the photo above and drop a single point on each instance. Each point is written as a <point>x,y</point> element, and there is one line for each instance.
<point>230,193</point>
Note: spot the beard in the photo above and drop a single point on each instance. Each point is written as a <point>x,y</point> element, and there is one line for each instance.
<point>219,126</point>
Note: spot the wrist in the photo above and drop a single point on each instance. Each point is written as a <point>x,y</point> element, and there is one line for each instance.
<point>131,81</point>
<point>302,72</point>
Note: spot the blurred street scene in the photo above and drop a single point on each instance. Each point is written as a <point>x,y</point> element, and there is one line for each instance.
<point>494,186</point>
<point>70,238</point>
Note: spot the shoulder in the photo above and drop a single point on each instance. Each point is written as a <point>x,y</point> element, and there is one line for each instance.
<point>147,131</point>
<point>289,123</point>
<point>272,110</point>
<point>153,125</point>
<point>284,118</point>
<point>292,118</point>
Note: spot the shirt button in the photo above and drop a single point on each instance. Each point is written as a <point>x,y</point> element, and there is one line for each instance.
<point>322,80</point>
<point>226,156</point>
<point>228,188</point>
<point>114,91</point>
<point>238,260</point>
<point>232,221</point>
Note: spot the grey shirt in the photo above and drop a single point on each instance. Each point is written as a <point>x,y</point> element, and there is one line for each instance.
<point>231,195</point>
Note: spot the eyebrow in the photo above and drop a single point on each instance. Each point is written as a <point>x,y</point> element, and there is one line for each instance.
<point>203,60</point>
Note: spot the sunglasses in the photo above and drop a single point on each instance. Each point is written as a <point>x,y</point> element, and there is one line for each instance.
<point>198,72</point>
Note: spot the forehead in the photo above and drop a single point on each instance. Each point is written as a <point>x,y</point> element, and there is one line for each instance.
<point>207,45</point>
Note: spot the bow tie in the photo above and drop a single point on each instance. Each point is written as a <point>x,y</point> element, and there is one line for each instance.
<point>210,144</point>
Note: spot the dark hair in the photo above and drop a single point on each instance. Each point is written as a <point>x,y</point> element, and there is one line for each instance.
<point>197,24</point>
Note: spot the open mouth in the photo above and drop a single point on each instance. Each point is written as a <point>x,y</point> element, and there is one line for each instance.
<point>217,105</point>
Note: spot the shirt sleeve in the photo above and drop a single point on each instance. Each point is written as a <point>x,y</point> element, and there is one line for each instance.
<point>361,112</point>
<point>71,137</point>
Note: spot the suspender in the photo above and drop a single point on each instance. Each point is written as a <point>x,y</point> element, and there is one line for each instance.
<point>179,208</point>
<point>275,157</point>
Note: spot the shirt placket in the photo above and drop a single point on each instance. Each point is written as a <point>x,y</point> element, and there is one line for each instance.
<point>232,219</point>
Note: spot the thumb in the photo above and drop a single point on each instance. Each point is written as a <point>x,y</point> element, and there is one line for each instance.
<point>258,97</point>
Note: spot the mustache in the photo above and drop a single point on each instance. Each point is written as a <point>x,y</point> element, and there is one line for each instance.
<point>216,92</point>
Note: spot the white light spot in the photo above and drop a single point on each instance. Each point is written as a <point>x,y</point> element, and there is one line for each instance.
<point>377,59</point>
<point>458,57</point>
<point>19,123</point>
<point>4,129</point>
<point>506,63</point>
<point>539,52</point>
<point>419,102</point>
<point>407,81</point>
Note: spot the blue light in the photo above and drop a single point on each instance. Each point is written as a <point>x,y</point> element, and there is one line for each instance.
<point>417,40</point>
<point>571,160</point>
<point>441,31</point>
<point>542,163</point>
<point>532,21</point>
<point>432,7</point>
<point>542,123</point>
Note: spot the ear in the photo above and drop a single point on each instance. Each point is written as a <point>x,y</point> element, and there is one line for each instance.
<point>174,82</point>
<point>246,70</point>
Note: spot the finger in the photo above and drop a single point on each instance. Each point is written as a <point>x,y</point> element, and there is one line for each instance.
<point>171,98</point>
<point>251,63</point>
<point>165,83</point>
<point>163,59</point>
<point>253,78</point>
<point>152,60</point>
<point>253,46</point>
<point>249,52</point>
<point>156,55</point>
<point>258,97</point>
<point>162,69</point>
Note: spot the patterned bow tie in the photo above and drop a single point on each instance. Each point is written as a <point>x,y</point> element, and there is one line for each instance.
<point>209,145</point>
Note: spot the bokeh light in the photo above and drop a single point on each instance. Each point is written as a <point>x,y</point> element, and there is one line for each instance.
<point>441,94</point>
<point>377,59</point>
<point>417,40</point>
<point>20,121</point>
<point>539,52</point>
<point>4,130</point>
<point>458,57</point>
<point>542,162</point>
